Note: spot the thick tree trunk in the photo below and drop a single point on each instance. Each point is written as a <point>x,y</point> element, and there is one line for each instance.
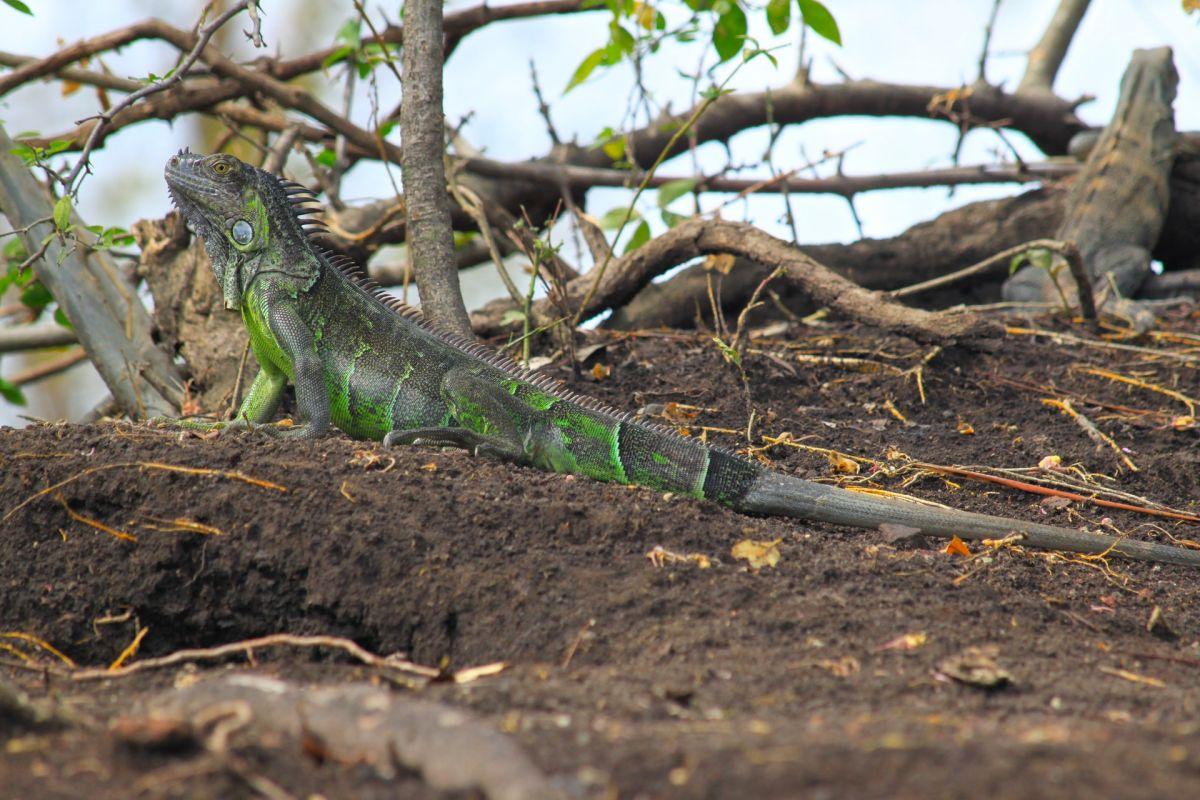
<point>430,237</point>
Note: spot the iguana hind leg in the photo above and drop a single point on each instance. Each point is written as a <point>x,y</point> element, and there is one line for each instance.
<point>491,422</point>
<point>475,443</point>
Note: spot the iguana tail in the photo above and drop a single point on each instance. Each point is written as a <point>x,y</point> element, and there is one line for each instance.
<point>785,495</point>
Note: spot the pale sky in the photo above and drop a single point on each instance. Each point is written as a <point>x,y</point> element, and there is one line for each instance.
<point>919,41</point>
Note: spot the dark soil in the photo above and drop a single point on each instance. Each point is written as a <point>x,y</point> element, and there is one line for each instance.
<point>625,679</point>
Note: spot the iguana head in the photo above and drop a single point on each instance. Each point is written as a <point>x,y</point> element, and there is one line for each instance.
<point>246,218</point>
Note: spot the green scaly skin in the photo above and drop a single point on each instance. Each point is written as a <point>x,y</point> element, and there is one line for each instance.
<point>362,362</point>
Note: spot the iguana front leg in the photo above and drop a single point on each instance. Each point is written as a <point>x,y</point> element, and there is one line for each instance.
<point>308,376</point>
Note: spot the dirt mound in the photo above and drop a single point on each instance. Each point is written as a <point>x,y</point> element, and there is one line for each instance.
<point>843,670</point>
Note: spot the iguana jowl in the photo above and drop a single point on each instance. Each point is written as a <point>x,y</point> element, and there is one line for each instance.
<point>366,363</point>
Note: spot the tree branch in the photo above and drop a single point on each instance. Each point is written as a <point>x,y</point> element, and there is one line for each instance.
<point>1047,55</point>
<point>104,309</point>
<point>698,237</point>
<point>35,337</point>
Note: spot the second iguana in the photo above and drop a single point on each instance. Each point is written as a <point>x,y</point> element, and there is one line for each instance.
<point>364,362</point>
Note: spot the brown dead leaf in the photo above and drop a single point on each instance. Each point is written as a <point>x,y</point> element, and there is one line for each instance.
<point>1051,463</point>
<point>680,412</point>
<point>1184,423</point>
<point>757,554</point>
<point>965,428</point>
<point>909,641</point>
<point>843,465</point>
<point>956,547</point>
<point>600,371</point>
<point>976,666</point>
<point>660,556</point>
<point>1158,625</point>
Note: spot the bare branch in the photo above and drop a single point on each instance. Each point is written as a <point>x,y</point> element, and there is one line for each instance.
<point>101,80</point>
<point>35,337</point>
<point>49,368</point>
<point>71,182</point>
<point>697,237</point>
<point>1047,55</point>
<point>845,185</point>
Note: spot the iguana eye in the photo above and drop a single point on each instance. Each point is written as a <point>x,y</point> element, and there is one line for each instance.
<point>242,232</point>
<point>221,167</point>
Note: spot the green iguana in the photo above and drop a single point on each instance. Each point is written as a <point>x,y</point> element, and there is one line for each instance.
<point>373,367</point>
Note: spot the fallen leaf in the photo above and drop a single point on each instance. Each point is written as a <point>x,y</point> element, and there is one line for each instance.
<point>1050,463</point>
<point>680,412</point>
<point>600,371</point>
<point>757,554</point>
<point>965,428</point>
<point>843,465</point>
<point>976,666</point>
<point>955,547</point>
<point>1055,503</point>
<point>1183,423</point>
<point>909,641</point>
<point>1158,625</point>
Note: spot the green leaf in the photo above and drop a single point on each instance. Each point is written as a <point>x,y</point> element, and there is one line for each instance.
<point>671,191</point>
<point>350,33</point>
<point>14,251</point>
<point>621,38</point>
<point>614,148</point>
<point>10,391</point>
<point>61,319</point>
<point>585,68</point>
<point>1038,258</point>
<point>17,5</point>
<point>729,32</point>
<point>641,235</point>
<point>340,54</point>
<point>26,153</point>
<point>62,213</point>
<point>36,297</point>
<point>671,219</point>
<point>616,217</point>
<point>512,316</point>
<point>779,15</point>
<point>326,158</point>
<point>817,17</point>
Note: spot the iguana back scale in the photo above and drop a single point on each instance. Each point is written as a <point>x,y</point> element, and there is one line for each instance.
<point>363,361</point>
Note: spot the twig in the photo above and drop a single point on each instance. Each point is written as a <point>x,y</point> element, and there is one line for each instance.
<point>152,465</point>
<point>73,178</point>
<point>1068,338</point>
<point>1066,249</point>
<point>247,646</point>
<point>1035,489</point>
<point>49,368</point>
<point>1190,402</point>
<point>1095,434</point>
